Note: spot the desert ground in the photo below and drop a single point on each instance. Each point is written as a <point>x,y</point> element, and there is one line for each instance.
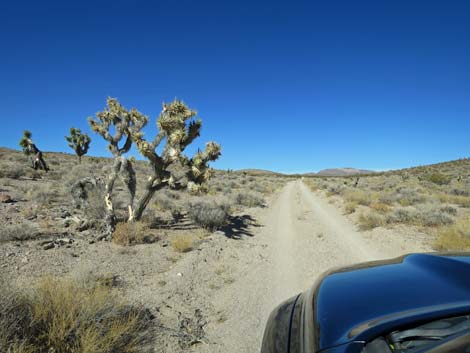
<point>211,288</point>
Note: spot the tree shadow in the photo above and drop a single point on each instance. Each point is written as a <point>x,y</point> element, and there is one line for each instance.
<point>239,226</point>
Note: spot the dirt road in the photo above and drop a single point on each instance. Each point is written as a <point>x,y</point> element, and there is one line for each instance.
<point>302,237</point>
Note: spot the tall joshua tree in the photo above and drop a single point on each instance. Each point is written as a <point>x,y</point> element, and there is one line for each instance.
<point>124,123</point>
<point>30,149</point>
<point>171,168</point>
<point>78,142</point>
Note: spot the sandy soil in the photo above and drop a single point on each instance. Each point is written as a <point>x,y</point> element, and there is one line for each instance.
<point>217,297</point>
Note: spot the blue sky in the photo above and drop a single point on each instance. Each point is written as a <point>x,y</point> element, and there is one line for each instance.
<point>290,86</point>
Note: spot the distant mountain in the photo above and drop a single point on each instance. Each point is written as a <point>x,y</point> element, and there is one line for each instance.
<point>258,172</point>
<point>343,172</point>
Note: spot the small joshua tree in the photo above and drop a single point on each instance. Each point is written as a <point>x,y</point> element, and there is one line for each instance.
<point>30,149</point>
<point>171,168</point>
<point>78,142</point>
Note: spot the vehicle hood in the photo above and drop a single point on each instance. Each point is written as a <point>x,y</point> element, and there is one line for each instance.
<point>365,301</point>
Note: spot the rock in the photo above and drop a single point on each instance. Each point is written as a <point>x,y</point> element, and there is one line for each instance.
<point>179,274</point>
<point>4,198</point>
<point>24,260</point>
<point>64,241</point>
<point>45,242</point>
<point>48,246</point>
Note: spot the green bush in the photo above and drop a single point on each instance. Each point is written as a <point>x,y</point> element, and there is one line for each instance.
<point>438,178</point>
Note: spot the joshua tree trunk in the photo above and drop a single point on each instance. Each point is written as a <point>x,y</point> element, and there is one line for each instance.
<point>150,190</point>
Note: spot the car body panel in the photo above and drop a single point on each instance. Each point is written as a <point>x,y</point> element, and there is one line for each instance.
<point>350,306</point>
<point>359,303</point>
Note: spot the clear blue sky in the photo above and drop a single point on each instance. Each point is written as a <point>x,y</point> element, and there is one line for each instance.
<point>289,86</point>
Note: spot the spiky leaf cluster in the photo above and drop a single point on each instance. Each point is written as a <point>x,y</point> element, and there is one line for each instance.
<point>177,126</point>
<point>26,143</point>
<point>78,142</point>
<point>124,123</point>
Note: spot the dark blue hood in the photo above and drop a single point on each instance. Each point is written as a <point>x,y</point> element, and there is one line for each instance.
<point>360,303</point>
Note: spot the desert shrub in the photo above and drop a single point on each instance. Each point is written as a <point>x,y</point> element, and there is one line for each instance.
<point>429,215</point>
<point>171,194</point>
<point>350,207</point>
<point>449,210</point>
<point>63,316</point>
<point>379,207</point>
<point>249,199</point>
<point>438,178</point>
<point>432,216</point>
<point>182,242</point>
<point>463,201</point>
<point>234,185</point>
<point>163,202</point>
<point>208,215</point>
<point>22,231</point>
<point>260,188</point>
<point>359,196</point>
<point>335,190</point>
<point>408,197</point>
<point>460,192</point>
<point>402,215</point>
<point>226,190</point>
<point>81,171</point>
<point>368,221</point>
<point>455,237</point>
<point>13,171</point>
<point>95,208</point>
<point>42,195</point>
<point>131,233</point>
<point>388,198</point>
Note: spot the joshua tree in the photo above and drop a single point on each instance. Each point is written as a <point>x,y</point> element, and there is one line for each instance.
<point>123,122</point>
<point>171,168</point>
<point>30,149</point>
<point>78,142</point>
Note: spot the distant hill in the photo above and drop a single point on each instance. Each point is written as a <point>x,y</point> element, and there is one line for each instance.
<point>257,172</point>
<point>343,172</point>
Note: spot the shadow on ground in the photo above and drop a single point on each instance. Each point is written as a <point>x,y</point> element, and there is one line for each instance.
<point>239,226</point>
<point>236,227</point>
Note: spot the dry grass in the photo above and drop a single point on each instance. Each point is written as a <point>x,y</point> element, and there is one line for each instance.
<point>358,196</point>
<point>19,232</point>
<point>455,237</point>
<point>380,207</point>
<point>131,233</point>
<point>350,207</point>
<point>64,316</point>
<point>182,242</point>
<point>371,220</point>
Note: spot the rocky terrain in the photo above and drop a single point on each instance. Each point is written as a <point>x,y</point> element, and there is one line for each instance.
<point>208,288</point>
